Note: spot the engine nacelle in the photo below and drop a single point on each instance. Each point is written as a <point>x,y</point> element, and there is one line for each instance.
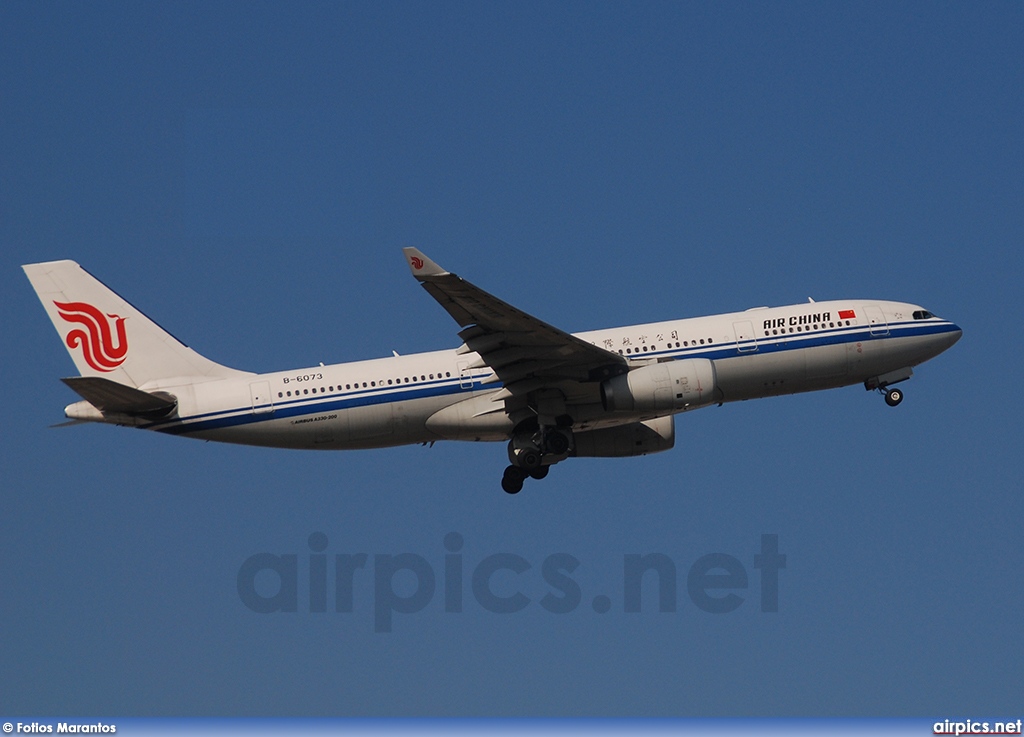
<point>634,439</point>
<point>662,387</point>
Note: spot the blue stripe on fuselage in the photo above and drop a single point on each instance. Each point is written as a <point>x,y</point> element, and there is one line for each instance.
<point>308,406</point>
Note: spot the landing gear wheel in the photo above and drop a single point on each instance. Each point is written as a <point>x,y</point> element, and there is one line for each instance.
<point>539,473</point>
<point>528,459</point>
<point>512,480</point>
<point>511,487</point>
<point>893,397</point>
<point>556,443</point>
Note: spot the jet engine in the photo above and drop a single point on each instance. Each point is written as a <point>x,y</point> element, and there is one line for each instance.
<point>670,386</point>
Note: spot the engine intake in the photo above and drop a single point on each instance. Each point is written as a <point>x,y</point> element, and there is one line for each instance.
<point>671,386</point>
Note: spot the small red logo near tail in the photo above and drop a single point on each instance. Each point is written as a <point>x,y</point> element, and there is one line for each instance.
<point>417,262</point>
<point>96,339</point>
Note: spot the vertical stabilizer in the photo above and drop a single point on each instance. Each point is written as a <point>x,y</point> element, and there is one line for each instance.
<point>106,336</point>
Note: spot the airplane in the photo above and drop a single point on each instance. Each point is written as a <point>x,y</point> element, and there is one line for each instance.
<point>550,395</point>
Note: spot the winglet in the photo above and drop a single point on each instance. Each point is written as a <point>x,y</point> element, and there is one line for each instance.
<point>421,265</point>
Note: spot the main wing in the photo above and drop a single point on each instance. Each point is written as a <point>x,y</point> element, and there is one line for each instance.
<point>526,353</point>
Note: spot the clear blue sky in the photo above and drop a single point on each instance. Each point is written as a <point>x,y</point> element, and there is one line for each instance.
<point>247,175</point>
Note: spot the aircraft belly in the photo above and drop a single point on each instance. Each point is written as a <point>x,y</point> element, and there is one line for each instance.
<point>827,361</point>
<point>371,426</point>
<point>763,374</point>
<point>477,418</point>
<point>270,432</point>
<point>771,373</point>
<point>875,356</point>
<point>387,424</point>
<point>365,423</point>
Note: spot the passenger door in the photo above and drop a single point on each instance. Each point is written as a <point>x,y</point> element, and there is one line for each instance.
<point>876,320</point>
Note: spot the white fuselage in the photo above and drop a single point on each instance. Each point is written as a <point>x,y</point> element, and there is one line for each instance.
<point>450,395</point>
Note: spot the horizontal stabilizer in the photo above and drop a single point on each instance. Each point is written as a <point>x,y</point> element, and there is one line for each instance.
<point>70,423</point>
<point>110,397</point>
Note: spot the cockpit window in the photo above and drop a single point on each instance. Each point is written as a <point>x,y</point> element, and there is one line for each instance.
<point>923,315</point>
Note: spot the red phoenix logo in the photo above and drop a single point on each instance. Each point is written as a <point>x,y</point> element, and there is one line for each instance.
<point>96,340</point>
<point>417,262</point>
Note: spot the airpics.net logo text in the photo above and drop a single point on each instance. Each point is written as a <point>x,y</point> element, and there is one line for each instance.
<point>406,583</point>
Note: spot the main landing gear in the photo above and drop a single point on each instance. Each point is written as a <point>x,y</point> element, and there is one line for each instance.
<point>514,476</point>
<point>532,457</point>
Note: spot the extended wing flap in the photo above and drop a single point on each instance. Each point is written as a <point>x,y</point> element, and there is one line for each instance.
<point>110,397</point>
<point>518,346</point>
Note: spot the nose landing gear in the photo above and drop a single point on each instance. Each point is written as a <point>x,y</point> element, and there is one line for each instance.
<point>884,382</point>
<point>893,397</point>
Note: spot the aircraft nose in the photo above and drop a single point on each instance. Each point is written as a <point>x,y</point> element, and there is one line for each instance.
<point>952,336</point>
